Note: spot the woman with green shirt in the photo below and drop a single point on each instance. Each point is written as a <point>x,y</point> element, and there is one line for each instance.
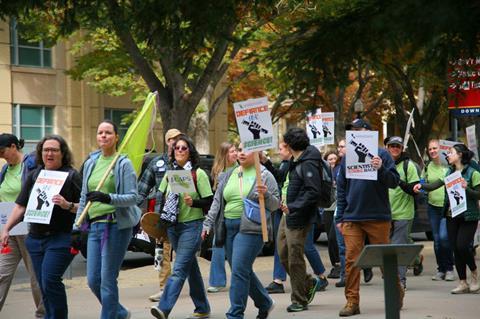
<point>12,175</point>
<point>242,236</point>
<point>182,214</point>
<point>111,218</point>
<point>433,171</point>
<point>461,228</point>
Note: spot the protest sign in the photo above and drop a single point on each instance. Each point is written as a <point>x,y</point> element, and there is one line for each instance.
<point>40,206</point>
<point>362,146</point>
<point>314,127</point>
<point>472,140</point>
<point>181,181</point>
<point>456,193</point>
<point>6,209</point>
<point>254,124</point>
<point>444,146</point>
<point>328,128</point>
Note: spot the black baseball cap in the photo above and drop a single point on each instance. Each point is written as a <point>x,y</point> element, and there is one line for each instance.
<point>394,140</point>
<point>358,123</point>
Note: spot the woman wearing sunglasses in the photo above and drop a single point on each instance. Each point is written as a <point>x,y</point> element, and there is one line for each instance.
<point>242,231</point>
<point>182,214</point>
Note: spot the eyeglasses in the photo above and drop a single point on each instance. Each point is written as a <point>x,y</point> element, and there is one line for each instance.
<point>394,146</point>
<point>181,148</point>
<point>50,150</point>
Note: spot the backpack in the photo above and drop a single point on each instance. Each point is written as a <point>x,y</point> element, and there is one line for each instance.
<point>194,177</point>
<point>327,191</point>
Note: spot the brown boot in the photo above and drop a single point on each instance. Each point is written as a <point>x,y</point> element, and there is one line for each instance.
<point>350,309</point>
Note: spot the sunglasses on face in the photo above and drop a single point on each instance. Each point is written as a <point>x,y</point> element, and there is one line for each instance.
<point>181,148</point>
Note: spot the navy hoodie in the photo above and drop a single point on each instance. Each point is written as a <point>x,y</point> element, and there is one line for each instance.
<point>363,200</point>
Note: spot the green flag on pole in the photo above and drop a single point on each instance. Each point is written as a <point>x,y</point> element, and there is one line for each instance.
<point>135,140</point>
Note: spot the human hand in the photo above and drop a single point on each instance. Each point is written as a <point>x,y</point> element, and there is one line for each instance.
<point>205,234</point>
<point>4,237</point>
<point>262,189</point>
<point>417,188</point>
<point>97,196</point>
<point>340,227</point>
<point>187,199</point>
<point>284,209</point>
<point>59,200</point>
<point>464,183</point>
<point>376,162</point>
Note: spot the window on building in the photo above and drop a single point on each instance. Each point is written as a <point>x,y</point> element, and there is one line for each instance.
<point>116,116</point>
<point>32,123</point>
<point>27,53</point>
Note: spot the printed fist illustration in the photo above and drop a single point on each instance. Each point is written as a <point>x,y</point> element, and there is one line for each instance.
<point>41,199</point>
<point>255,129</point>
<point>325,130</point>
<point>362,152</point>
<point>314,130</point>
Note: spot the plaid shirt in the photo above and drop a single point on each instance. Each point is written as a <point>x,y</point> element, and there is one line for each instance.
<point>151,177</point>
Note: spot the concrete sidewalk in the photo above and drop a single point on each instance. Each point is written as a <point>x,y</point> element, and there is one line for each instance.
<point>424,298</point>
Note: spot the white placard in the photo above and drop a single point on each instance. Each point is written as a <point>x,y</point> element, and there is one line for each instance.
<point>40,205</point>
<point>444,146</point>
<point>472,140</point>
<point>254,124</point>
<point>314,128</point>
<point>181,181</point>
<point>456,193</point>
<point>362,146</point>
<point>328,128</point>
<point>6,209</point>
<point>142,236</point>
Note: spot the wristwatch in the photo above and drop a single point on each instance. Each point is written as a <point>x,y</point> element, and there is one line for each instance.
<point>70,206</point>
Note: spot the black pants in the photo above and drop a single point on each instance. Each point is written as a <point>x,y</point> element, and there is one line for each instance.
<point>332,237</point>
<point>460,235</point>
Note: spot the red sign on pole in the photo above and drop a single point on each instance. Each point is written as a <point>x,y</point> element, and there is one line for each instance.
<point>464,87</point>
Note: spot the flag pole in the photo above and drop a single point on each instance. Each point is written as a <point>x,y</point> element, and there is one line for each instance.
<point>127,138</point>
<point>261,199</point>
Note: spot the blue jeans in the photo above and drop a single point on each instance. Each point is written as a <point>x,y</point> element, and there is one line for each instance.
<point>312,254</point>
<point>341,252</point>
<point>278,269</point>
<point>103,266</point>
<point>217,277</point>
<point>441,245</point>
<point>241,250</point>
<point>50,258</point>
<point>185,239</point>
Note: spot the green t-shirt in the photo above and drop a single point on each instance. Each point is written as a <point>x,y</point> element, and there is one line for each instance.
<point>231,192</point>
<point>188,213</point>
<point>99,209</point>
<point>433,173</point>
<point>12,183</point>
<point>284,190</point>
<point>401,203</point>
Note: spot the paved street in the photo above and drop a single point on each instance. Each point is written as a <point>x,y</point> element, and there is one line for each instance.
<point>424,298</point>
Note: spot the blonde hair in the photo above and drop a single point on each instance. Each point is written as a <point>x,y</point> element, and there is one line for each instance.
<point>221,161</point>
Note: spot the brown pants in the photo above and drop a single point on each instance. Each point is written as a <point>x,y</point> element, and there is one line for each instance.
<point>166,264</point>
<point>290,246</point>
<point>354,233</point>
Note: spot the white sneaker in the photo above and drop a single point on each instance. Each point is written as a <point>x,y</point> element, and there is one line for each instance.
<point>474,286</point>
<point>439,276</point>
<point>449,275</point>
<point>156,297</point>
<point>462,288</point>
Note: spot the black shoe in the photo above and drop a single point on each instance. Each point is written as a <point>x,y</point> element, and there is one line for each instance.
<point>263,314</point>
<point>418,268</point>
<point>275,288</point>
<point>367,275</point>
<point>334,272</point>
<point>323,283</point>
<point>295,307</point>
<point>340,283</point>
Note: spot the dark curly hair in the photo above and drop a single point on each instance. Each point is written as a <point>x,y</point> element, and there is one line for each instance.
<point>464,152</point>
<point>296,138</point>
<point>194,156</point>
<point>67,157</point>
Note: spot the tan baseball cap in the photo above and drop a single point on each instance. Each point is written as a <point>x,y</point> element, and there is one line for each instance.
<point>172,133</point>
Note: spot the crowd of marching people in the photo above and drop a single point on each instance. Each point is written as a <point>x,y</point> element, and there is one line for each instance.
<point>103,199</point>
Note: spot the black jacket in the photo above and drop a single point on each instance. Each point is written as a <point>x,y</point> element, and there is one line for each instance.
<point>304,189</point>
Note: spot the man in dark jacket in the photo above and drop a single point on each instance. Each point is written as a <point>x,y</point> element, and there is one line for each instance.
<point>363,210</point>
<point>299,197</point>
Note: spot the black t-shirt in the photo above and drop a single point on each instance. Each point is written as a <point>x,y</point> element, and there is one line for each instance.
<point>62,219</point>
